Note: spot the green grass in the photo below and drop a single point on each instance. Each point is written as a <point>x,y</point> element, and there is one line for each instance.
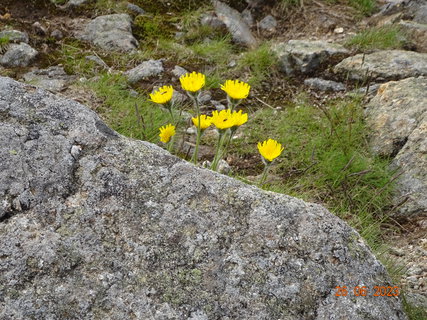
<point>120,109</point>
<point>365,7</point>
<point>4,42</point>
<point>325,160</point>
<point>260,63</point>
<point>386,37</point>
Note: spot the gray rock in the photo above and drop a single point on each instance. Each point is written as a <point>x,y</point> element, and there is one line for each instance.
<point>111,32</point>
<point>178,71</point>
<point>18,55</point>
<point>14,36</point>
<point>53,78</point>
<point>420,14</point>
<point>76,3</point>
<point>324,85</point>
<point>306,57</point>
<point>144,70</point>
<point>383,65</point>
<point>248,17</point>
<point>417,34</point>
<point>57,34</point>
<point>371,90</point>
<point>39,29</point>
<point>212,21</point>
<point>98,61</point>
<point>204,97</point>
<point>397,116</point>
<point>134,8</point>
<point>123,228</point>
<point>238,28</point>
<point>268,23</point>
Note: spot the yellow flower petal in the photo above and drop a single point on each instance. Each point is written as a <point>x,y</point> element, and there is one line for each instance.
<point>166,133</point>
<point>162,95</point>
<point>239,118</point>
<point>192,82</point>
<point>270,149</point>
<point>236,89</point>
<point>204,121</point>
<point>222,120</point>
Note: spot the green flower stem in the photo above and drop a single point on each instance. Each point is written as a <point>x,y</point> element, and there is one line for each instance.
<point>225,150</point>
<point>199,131</point>
<point>215,161</point>
<point>264,173</point>
<point>170,144</point>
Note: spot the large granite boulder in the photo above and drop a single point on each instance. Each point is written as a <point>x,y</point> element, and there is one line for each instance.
<point>111,32</point>
<point>383,65</point>
<point>94,225</point>
<point>397,116</point>
<point>307,56</point>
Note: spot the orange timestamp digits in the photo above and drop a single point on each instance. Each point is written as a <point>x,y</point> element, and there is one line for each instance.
<point>363,291</point>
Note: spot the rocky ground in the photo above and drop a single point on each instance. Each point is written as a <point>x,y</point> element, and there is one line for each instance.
<point>76,47</point>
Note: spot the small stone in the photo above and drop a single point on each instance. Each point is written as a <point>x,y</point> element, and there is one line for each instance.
<point>204,97</point>
<point>237,27</point>
<point>306,56</point>
<point>178,97</point>
<point>18,55</point>
<point>146,69</point>
<point>269,23</point>
<point>232,64</point>
<point>75,3</point>
<point>14,36</point>
<point>97,60</point>
<point>134,8</point>
<point>191,130</point>
<point>178,71</point>
<point>339,30</point>
<point>111,32</point>
<point>324,85</point>
<point>218,105</point>
<point>54,78</point>
<point>248,17</point>
<point>212,21</point>
<point>224,167</point>
<point>39,29</point>
<point>397,252</point>
<point>57,34</point>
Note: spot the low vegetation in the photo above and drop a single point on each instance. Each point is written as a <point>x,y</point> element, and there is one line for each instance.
<point>325,159</point>
<point>385,37</point>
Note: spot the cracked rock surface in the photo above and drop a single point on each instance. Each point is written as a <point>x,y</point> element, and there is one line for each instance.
<point>397,116</point>
<point>98,226</point>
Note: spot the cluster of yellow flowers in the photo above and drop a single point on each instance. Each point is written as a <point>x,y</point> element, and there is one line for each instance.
<point>226,121</point>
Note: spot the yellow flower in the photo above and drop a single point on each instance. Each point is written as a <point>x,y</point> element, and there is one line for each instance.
<point>270,149</point>
<point>162,95</point>
<point>223,119</point>
<point>203,121</point>
<point>239,118</point>
<point>166,133</point>
<point>236,89</point>
<point>192,82</point>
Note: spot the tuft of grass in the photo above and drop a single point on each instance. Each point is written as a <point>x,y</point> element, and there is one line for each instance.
<point>260,62</point>
<point>120,108</point>
<point>365,7</point>
<point>385,37</point>
<point>326,160</point>
<point>215,52</point>
<point>4,42</point>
